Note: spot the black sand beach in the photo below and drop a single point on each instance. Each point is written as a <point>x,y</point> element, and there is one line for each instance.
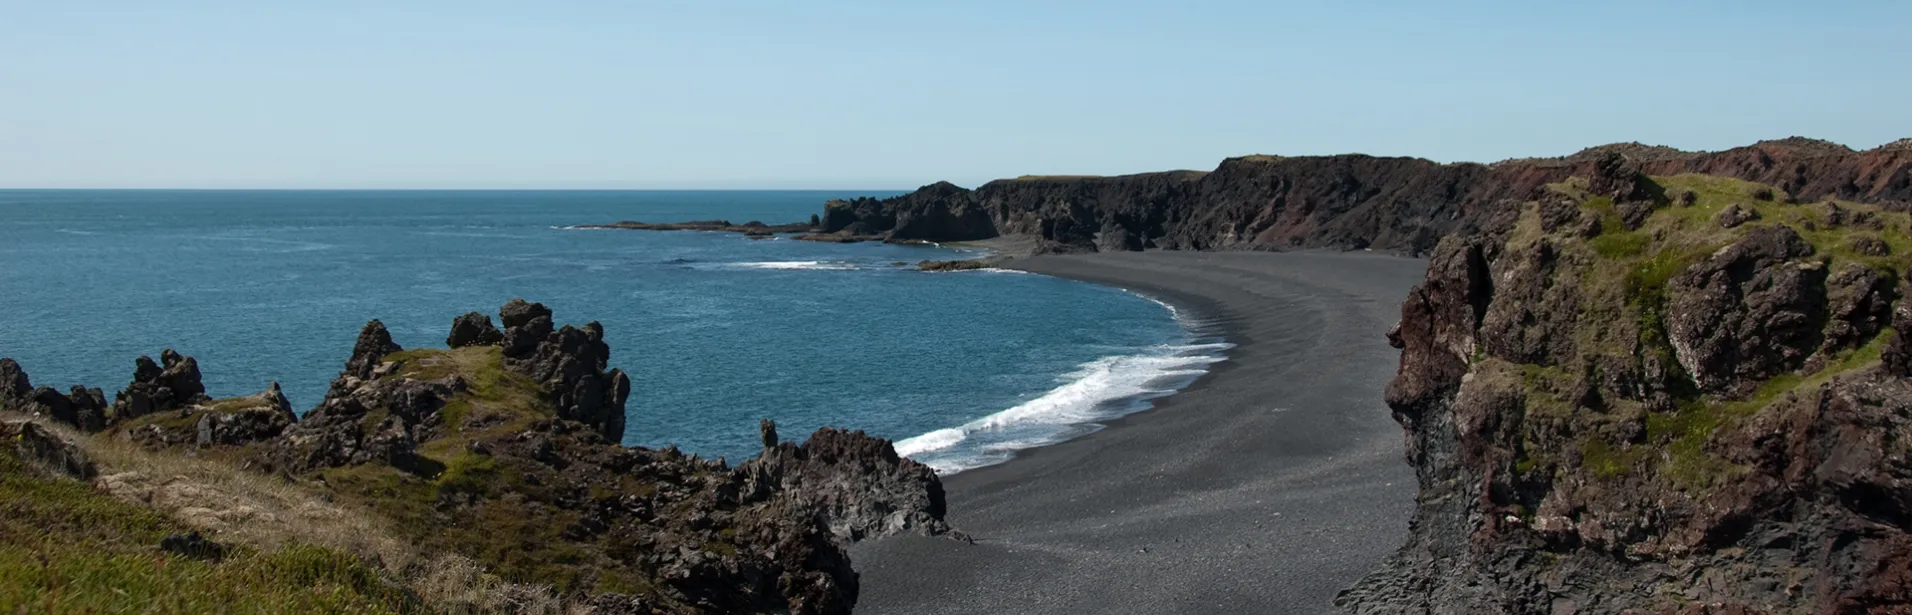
<point>1267,487</point>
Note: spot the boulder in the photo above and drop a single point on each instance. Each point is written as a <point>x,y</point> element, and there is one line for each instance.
<point>855,481</point>
<point>192,544</point>
<point>42,447</point>
<point>90,411</point>
<point>16,389</point>
<point>1751,311</point>
<point>1897,357</point>
<point>1617,176</point>
<point>473,329</point>
<point>374,342</point>
<point>170,385</point>
<point>518,313</point>
<point>1861,305</point>
<point>1871,246</point>
<point>258,418</point>
<point>1735,215</point>
<point>570,363</point>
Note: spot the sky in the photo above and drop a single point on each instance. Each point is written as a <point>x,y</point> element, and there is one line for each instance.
<point>897,94</point>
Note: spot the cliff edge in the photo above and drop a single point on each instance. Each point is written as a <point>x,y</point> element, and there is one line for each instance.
<point>1349,202</point>
<point>1646,392</point>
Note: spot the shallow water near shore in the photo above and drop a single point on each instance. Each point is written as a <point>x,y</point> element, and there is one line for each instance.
<point>716,329</point>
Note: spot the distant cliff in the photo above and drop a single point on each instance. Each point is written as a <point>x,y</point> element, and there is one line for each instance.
<point>1347,202</point>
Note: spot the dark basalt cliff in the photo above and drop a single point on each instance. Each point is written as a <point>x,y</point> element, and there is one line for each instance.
<point>1346,202</point>
<point>504,449</point>
<point>1639,404</point>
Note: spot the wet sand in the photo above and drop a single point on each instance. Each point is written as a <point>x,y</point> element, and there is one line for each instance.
<point>1266,487</point>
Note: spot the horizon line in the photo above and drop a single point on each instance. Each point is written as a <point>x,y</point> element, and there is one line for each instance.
<point>424,189</point>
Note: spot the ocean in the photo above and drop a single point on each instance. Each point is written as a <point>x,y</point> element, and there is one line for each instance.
<point>716,330</point>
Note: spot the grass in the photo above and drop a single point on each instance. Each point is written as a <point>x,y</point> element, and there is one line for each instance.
<point>186,420</point>
<point>67,549</point>
<point>490,390</point>
<point>266,514</point>
<point>509,531</point>
<point>1625,283</point>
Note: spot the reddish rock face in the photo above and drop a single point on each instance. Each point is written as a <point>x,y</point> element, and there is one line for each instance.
<point>1349,202</point>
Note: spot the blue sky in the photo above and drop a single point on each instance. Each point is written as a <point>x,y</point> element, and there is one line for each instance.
<point>837,94</point>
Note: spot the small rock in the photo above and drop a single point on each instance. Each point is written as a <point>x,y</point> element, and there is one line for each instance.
<point>193,545</point>
<point>1735,215</point>
<point>473,329</point>
<point>1871,246</point>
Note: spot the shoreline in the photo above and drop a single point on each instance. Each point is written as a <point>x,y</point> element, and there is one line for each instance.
<point>1203,349</point>
<point>1268,484</point>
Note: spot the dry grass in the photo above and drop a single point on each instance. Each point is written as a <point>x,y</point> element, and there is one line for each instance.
<point>266,512</point>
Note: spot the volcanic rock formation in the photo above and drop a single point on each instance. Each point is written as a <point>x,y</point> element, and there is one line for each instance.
<point>1347,202</point>
<point>1662,417</point>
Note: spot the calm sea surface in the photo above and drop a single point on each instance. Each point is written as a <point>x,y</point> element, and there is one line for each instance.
<point>716,330</point>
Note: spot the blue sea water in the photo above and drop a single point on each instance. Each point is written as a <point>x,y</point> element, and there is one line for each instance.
<point>716,330</point>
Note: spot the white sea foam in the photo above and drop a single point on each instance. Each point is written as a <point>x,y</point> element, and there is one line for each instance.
<point>1099,390</point>
<point>799,265</point>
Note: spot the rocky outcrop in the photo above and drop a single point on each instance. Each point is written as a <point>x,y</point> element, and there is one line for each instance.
<point>508,453</point>
<point>41,447</point>
<point>938,212</point>
<point>570,362</point>
<point>85,408</point>
<point>245,420</point>
<point>169,385</point>
<point>1347,202</point>
<point>473,329</point>
<point>857,481</point>
<point>753,229</point>
<point>374,342</point>
<point>1735,215</point>
<point>236,421</point>
<point>1750,312</point>
<point>958,265</point>
<point>16,388</point>
<point>1673,419</point>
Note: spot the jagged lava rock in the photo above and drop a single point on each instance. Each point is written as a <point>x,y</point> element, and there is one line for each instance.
<point>1749,312</point>
<point>169,385</point>
<point>473,329</point>
<point>861,484</point>
<point>1691,427</point>
<point>42,447</point>
<point>1348,201</point>
<point>570,362</point>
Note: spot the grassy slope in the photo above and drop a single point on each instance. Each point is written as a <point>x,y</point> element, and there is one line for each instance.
<point>517,539</point>
<point>1626,296</point>
<point>67,549</point>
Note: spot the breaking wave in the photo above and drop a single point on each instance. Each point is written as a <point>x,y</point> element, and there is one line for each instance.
<point>1099,390</point>
<point>798,265</point>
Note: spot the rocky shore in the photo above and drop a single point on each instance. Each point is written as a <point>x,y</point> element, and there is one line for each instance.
<point>1642,383</point>
<point>1631,380</point>
<point>501,449</point>
<point>752,229</point>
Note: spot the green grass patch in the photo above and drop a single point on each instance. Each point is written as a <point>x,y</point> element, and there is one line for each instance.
<point>66,549</point>
<point>481,506</point>
<point>1607,461</point>
<point>1626,295</point>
